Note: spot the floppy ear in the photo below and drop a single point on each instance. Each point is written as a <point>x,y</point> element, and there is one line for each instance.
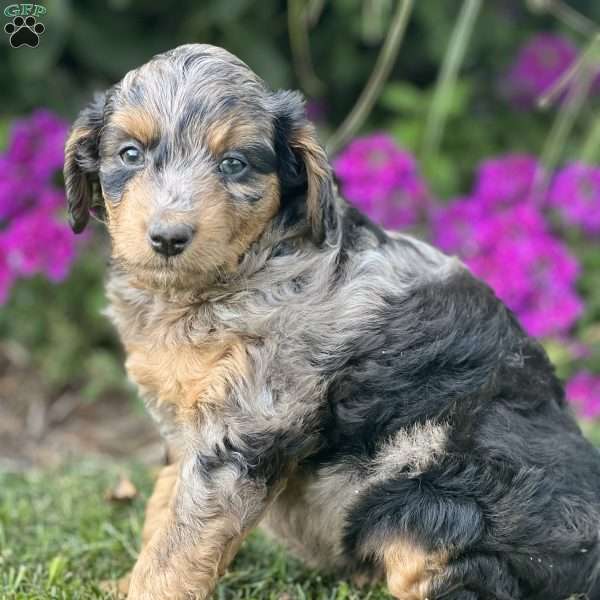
<point>82,162</point>
<point>303,161</point>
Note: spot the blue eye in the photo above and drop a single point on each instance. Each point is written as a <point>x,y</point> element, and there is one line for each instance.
<point>132,156</point>
<point>232,166</point>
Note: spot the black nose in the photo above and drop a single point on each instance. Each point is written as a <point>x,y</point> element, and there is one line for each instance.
<point>170,239</point>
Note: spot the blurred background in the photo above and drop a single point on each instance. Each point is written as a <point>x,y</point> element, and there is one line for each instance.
<point>472,124</point>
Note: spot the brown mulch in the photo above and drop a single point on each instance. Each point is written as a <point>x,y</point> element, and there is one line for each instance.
<point>38,429</point>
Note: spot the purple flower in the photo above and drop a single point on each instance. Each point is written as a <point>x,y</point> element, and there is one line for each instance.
<point>37,144</point>
<point>34,155</point>
<point>37,242</point>
<point>507,179</point>
<point>583,391</point>
<point>575,194</point>
<point>32,239</point>
<point>383,181</point>
<point>504,239</point>
<point>538,66</point>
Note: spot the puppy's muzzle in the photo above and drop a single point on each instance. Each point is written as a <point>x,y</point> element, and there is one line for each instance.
<point>170,239</point>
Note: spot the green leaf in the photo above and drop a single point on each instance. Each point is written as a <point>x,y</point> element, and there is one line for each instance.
<point>407,132</point>
<point>442,174</point>
<point>455,100</point>
<point>403,97</point>
<point>56,568</point>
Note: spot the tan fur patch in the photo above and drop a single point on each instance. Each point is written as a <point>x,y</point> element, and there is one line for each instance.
<point>230,552</point>
<point>181,563</point>
<point>316,163</point>
<point>128,222</point>
<point>187,376</point>
<point>138,123</point>
<point>230,133</point>
<point>409,570</point>
<point>184,567</point>
<point>252,222</point>
<point>157,508</point>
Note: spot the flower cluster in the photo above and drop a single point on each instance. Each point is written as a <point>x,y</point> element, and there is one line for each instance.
<point>504,238</point>
<point>583,391</point>
<point>538,66</point>
<point>383,181</point>
<point>32,237</point>
<point>575,194</point>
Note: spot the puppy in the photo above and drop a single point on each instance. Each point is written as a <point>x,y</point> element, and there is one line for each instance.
<point>362,396</point>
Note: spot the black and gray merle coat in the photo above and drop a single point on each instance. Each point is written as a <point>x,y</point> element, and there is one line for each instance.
<point>360,394</point>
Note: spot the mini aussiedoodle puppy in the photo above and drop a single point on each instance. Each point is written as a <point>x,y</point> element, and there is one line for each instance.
<point>359,394</point>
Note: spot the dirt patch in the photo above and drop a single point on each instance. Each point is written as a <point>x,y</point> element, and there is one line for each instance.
<point>38,429</point>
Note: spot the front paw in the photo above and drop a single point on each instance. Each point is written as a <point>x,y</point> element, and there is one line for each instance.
<point>175,580</point>
<point>117,588</point>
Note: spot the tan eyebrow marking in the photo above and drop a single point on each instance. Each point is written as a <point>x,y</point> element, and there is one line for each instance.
<point>139,124</point>
<point>223,135</point>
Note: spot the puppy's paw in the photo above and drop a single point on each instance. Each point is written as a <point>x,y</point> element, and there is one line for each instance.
<point>414,574</point>
<point>411,571</point>
<point>363,580</point>
<point>119,588</point>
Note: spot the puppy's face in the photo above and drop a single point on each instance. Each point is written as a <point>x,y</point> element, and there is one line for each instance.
<point>187,171</point>
<point>192,156</point>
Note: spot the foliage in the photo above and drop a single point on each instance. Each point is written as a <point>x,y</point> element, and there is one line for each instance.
<point>63,330</point>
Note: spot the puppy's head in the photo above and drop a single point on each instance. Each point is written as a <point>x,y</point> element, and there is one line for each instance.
<point>190,157</point>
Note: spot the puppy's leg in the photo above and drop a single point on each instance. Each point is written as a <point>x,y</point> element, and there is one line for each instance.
<point>221,495</point>
<point>204,528</point>
<point>409,569</point>
<point>157,512</point>
<point>230,553</point>
<point>482,570</point>
<point>415,574</point>
<point>477,531</point>
<point>184,560</point>
<point>157,508</point>
<point>444,564</point>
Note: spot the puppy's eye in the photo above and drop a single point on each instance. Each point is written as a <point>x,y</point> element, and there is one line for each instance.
<point>132,156</point>
<point>231,166</point>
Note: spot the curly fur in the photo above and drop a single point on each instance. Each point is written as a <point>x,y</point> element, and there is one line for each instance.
<point>362,395</point>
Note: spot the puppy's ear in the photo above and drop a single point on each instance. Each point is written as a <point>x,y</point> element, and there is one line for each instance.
<point>303,162</point>
<point>82,162</point>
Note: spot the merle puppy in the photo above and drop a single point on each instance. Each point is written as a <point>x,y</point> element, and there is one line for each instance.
<point>361,395</point>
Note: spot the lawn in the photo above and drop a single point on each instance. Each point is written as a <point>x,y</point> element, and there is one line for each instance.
<point>59,537</point>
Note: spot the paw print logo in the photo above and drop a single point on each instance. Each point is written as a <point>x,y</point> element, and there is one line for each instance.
<point>24,32</point>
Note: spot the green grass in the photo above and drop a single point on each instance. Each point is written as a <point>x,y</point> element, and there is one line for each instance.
<point>59,538</point>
